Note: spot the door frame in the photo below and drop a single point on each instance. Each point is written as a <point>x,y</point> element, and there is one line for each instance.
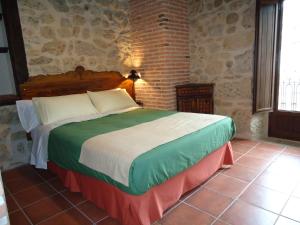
<point>282,124</point>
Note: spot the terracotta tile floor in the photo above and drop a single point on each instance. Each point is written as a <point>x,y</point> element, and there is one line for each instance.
<point>262,188</point>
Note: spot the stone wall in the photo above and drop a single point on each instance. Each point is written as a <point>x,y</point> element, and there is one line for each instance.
<point>61,34</point>
<point>58,36</point>
<point>222,36</point>
<point>14,147</point>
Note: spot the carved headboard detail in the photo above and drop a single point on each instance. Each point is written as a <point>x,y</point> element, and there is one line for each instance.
<point>74,82</point>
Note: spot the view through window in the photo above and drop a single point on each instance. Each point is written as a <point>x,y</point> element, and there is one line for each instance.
<point>289,87</point>
<point>7,86</point>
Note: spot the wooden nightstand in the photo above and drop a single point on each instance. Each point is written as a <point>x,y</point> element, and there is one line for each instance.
<point>196,98</point>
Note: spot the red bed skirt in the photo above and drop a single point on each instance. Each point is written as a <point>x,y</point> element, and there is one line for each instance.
<point>148,207</point>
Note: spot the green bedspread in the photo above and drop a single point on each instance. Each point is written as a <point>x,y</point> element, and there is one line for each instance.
<point>149,169</point>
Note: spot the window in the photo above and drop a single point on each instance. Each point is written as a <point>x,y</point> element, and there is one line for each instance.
<point>13,65</point>
<point>266,54</point>
<point>277,68</point>
<point>7,84</point>
<point>289,77</point>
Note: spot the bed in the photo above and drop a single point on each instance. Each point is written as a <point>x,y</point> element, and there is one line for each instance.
<point>149,174</point>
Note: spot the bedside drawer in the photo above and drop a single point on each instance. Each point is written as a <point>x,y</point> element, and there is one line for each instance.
<point>194,91</point>
<point>196,98</point>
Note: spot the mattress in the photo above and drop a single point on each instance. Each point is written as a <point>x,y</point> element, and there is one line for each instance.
<point>149,169</point>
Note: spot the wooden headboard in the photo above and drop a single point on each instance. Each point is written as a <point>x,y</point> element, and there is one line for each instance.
<point>74,82</point>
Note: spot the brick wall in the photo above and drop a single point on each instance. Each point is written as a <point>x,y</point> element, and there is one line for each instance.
<point>159,33</point>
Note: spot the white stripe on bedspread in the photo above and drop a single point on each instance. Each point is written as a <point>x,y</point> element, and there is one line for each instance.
<point>113,153</point>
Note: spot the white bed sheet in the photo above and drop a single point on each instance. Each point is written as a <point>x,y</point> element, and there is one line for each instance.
<point>40,135</point>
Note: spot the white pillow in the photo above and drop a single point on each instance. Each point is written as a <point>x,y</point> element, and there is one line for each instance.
<point>112,100</point>
<point>53,109</point>
<point>28,116</point>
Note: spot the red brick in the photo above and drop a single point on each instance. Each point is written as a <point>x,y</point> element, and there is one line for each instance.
<point>163,52</point>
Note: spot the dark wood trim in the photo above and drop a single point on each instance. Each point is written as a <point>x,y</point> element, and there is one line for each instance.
<point>3,49</point>
<point>15,41</point>
<point>278,55</point>
<point>284,124</point>
<point>74,82</point>
<point>254,86</point>
<point>269,2</point>
<point>8,99</point>
<point>277,51</point>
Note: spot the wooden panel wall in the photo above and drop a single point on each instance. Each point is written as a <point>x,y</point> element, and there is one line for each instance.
<point>284,125</point>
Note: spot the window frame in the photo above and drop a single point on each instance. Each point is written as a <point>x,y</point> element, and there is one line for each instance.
<point>278,55</point>
<point>277,40</point>
<point>10,14</point>
<point>281,123</point>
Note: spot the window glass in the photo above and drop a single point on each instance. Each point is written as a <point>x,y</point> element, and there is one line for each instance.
<point>289,87</point>
<point>7,85</point>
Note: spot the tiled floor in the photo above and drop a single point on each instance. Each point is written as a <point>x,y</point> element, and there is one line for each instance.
<point>262,188</point>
